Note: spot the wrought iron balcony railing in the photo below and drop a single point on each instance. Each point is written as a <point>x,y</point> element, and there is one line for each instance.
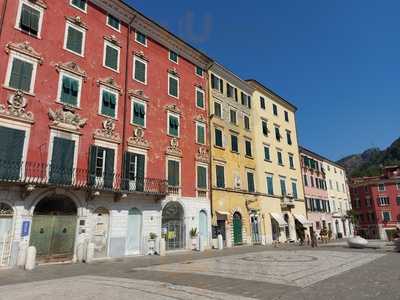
<point>39,174</point>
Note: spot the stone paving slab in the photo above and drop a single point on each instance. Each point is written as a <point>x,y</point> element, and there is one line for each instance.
<point>104,288</point>
<point>294,268</point>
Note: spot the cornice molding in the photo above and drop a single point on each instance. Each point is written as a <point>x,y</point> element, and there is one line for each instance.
<point>111,83</point>
<point>40,3</point>
<point>141,55</point>
<point>76,20</point>
<point>139,94</point>
<point>71,67</point>
<point>113,40</point>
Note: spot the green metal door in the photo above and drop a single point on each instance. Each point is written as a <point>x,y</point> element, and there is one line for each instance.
<point>237,229</point>
<point>53,237</point>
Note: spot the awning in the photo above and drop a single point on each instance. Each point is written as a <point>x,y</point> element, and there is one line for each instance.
<point>302,219</point>
<point>279,218</point>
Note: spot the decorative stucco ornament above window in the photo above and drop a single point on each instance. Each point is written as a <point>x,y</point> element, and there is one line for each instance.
<point>173,108</point>
<point>110,83</point>
<point>66,120</point>
<point>202,155</point>
<point>138,140</point>
<point>16,109</point>
<point>73,68</point>
<point>173,148</point>
<point>77,21</point>
<point>107,133</point>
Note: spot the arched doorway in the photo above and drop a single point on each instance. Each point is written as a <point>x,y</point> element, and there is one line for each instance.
<point>6,227</point>
<point>134,235</point>
<point>173,226</point>
<point>237,229</point>
<point>54,228</point>
<point>203,226</point>
<point>100,232</point>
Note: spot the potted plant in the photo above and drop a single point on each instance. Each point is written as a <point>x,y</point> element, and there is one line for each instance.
<point>152,243</point>
<point>193,234</point>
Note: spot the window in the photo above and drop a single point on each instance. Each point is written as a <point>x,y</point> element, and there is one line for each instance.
<point>111,56</point>
<point>173,173</point>
<point>291,161</point>
<point>140,70</point>
<point>248,148</point>
<point>233,116</point>
<point>202,177</point>
<point>113,22</point>
<point>199,98</point>
<point>108,103</point>
<point>217,83</point>
<point>21,74</point>
<point>74,40</point>
<point>249,102</point>
<point>381,187</point>
<point>29,18</point>
<point>219,138</point>
<point>243,97</point>
<point>234,143</point>
<point>262,102</point>
<point>173,56</point>
<point>267,155</point>
<point>141,38</point>
<point>330,184</point>
<point>220,172</point>
<point>173,125</point>
<point>62,160</point>
<point>69,89</point>
<point>387,216</point>
<point>368,202</point>
<point>282,181</point>
<point>139,113</point>
<point>101,167</point>
<point>305,180</point>
<point>277,134</point>
<point>312,181</point>
<point>217,109</point>
<point>288,137</point>
<point>383,201</point>
<point>294,190</point>
<point>275,109</point>
<point>80,4</point>
<point>270,185</point>
<point>250,182</point>
<point>173,86</point>
<point>286,116</point>
<point>199,71</point>
<point>398,200</point>
<point>264,125</point>
<point>201,133</point>
<point>280,158</point>
<point>246,121</point>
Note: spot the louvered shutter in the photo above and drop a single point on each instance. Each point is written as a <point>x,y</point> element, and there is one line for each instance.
<point>140,172</point>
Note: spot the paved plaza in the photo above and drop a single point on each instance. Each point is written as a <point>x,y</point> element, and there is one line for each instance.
<point>289,272</point>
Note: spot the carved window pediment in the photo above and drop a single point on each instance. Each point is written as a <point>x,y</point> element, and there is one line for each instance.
<point>40,3</point>
<point>26,49</point>
<point>173,108</point>
<point>173,72</point>
<point>200,118</point>
<point>110,83</point>
<point>174,149</point>
<point>107,133</point>
<point>71,67</point>
<point>16,109</point>
<point>77,21</point>
<point>203,155</point>
<point>66,119</point>
<point>141,55</point>
<point>138,94</point>
<point>113,40</point>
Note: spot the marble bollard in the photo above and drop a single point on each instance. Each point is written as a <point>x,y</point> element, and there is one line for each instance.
<point>30,263</point>
<point>162,247</point>
<point>220,242</point>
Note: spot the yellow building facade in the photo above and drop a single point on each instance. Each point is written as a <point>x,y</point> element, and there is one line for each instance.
<point>279,178</point>
<point>233,176</point>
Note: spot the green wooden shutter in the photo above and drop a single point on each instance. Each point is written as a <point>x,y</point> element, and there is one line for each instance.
<point>138,113</point>
<point>250,182</point>
<point>200,134</point>
<point>173,86</point>
<point>111,58</point>
<point>126,175</point>
<point>140,71</point>
<point>200,99</point>
<point>173,126</point>
<point>92,163</point>
<point>21,75</point>
<point>16,70</point>
<point>26,76</point>
<point>62,161</point>
<point>173,173</point>
<point>74,40</point>
<point>140,172</point>
<point>220,176</point>
<point>11,161</point>
<point>201,177</point>
<point>109,168</point>
<point>108,104</point>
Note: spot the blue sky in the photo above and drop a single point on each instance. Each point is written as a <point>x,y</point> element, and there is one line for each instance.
<point>337,61</point>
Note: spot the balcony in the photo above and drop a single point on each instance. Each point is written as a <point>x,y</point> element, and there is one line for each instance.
<point>46,175</point>
<point>287,201</point>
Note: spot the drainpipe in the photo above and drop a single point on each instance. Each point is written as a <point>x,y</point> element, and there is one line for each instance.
<point>3,13</point>
<point>210,170</point>
<point>126,98</point>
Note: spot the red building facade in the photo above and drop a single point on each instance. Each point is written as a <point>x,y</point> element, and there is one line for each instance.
<point>376,201</point>
<point>107,114</point>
